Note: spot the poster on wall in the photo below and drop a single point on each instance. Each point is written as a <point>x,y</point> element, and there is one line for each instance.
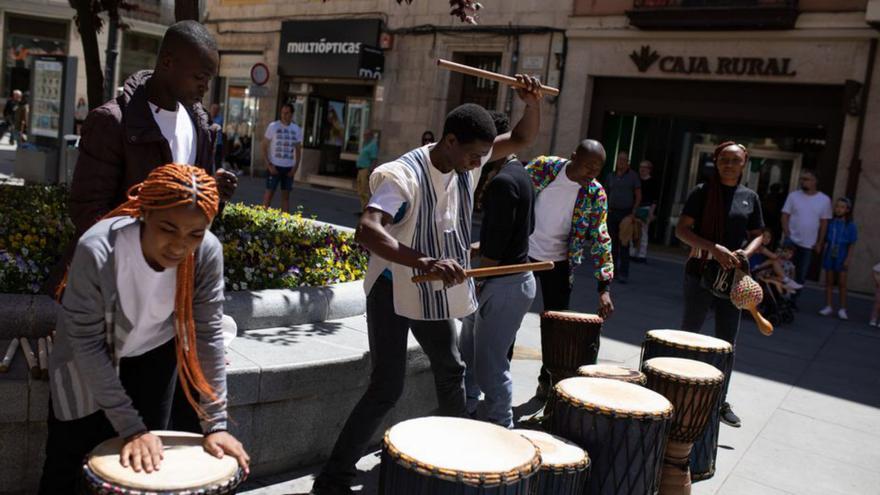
<point>46,100</point>
<point>335,116</point>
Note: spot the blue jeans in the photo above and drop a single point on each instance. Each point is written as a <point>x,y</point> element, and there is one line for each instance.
<point>697,303</point>
<point>486,337</point>
<point>801,259</point>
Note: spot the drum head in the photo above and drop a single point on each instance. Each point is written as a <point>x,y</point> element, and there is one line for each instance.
<point>572,316</point>
<point>555,451</point>
<point>460,445</point>
<point>688,369</point>
<point>186,465</point>
<point>690,340</point>
<point>614,395</point>
<point>608,371</point>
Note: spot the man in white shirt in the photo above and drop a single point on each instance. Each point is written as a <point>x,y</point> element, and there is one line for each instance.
<point>805,218</point>
<point>282,147</point>
<point>417,222</point>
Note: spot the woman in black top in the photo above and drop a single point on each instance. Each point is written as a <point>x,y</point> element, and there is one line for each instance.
<point>722,223</point>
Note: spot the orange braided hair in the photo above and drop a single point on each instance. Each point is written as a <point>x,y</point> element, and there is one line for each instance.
<point>170,186</point>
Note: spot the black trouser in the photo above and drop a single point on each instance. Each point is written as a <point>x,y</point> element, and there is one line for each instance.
<point>388,335</point>
<point>619,251</point>
<point>556,293</point>
<point>148,380</point>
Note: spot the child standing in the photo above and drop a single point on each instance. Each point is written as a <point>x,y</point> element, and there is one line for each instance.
<point>839,239</point>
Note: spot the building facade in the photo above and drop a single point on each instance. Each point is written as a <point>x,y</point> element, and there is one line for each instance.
<point>46,27</point>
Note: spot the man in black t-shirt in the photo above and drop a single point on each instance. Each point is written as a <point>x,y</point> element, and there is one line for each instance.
<point>488,334</point>
<point>645,211</point>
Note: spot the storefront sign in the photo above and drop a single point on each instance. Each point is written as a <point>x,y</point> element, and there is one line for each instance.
<point>372,63</point>
<point>646,58</point>
<point>326,48</point>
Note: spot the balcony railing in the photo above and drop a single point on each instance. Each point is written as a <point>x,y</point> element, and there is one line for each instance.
<point>713,14</point>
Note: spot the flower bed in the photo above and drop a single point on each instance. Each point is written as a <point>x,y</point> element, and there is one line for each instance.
<point>263,249</point>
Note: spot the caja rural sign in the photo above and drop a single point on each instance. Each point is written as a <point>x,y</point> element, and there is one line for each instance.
<point>646,58</point>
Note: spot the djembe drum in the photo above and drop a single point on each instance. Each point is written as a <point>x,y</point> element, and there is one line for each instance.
<point>186,470</point>
<point>718,353</point>
<point>612,372</point>
<point>693,388</point>
<point>622,426</point>
<point>440,456</point>
<point>564,466</point>
<point>569,340</point>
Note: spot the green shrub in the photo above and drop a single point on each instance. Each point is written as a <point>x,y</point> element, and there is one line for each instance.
<point>34,231</point>
<point>267,249</point>
<point>262,249</point>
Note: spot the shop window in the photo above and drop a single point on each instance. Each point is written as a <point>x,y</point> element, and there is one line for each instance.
<point>468,89</point>
<point>139,51</point>
<point>26,36</point>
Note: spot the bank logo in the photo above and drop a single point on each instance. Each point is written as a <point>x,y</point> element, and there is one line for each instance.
<point>644,58</point>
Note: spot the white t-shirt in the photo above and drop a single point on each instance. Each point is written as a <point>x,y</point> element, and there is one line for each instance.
<point>146,296</point>
<point>554,207</point>
<point>806,212</point>
<point>179,131</point>
<point>284,139</point>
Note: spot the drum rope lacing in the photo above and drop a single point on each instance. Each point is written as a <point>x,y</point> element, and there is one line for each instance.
<point>575,317</point>
<point>477,478</point>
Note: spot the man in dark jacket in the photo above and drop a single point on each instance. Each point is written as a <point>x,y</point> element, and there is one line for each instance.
<point>157,119</point>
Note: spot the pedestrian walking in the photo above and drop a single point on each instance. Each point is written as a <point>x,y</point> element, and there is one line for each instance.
<point>282,149</point>
<point>366,162</point>
<point>645,213</point>
<point>624,189</point>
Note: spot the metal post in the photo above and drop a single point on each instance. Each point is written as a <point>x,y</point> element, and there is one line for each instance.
<point>112,52</point>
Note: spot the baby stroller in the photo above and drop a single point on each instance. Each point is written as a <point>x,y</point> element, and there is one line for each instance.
<point>776,306</point>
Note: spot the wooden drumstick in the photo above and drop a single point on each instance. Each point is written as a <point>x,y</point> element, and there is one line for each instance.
<point>493,76</point>
<point>43,355</point>
<point>491,271</point>
<point>30,357</point>
<point>10,353</point>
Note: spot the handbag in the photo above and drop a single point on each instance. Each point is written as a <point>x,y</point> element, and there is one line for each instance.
<point>719,281</point>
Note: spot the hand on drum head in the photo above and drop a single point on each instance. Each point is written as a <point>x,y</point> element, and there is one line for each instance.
<point>142,452</point>
<point>606,307</point>
<point>221,442</point>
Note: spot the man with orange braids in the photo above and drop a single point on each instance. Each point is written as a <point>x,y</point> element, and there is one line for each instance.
<point>143,304</point>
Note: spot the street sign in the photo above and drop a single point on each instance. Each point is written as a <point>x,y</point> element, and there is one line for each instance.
<point>258,91</point>
<point>260,73</point>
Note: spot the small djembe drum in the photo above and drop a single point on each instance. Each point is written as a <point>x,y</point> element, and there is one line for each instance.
<point>693,388</point>
<point>612,372</point>
<point>454,456</point>
<point>569,340</point>
<point>564,466</point>
<point>747,294</point>
<point>709,350</point>
<point>186,469</point>
<point>622,426</point>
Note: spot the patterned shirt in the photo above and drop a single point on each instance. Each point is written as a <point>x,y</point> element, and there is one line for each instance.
<point>588,219</point>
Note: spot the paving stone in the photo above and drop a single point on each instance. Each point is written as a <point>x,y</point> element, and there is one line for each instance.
<point>13,456</point>
<point>36,455</point>
<point>804,472</point>
<point>737,485</point>
<point>14,388</point>
<point>802,432</point>
<point>38,400</point>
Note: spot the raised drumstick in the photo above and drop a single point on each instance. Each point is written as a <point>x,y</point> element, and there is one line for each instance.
<point>493,76</point>
<point>491,271</point>
<point>30,357</point>
<point>43,355</point>
<point>10,353</point>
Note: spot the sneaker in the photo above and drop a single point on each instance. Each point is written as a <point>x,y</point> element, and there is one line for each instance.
<point>826,311</point>
<point>842,314</point>
<point>791,284</point>
<point>728,417</point>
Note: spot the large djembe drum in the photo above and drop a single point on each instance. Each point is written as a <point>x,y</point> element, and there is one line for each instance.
<point>186,470</point>
<point>693,388</point>
<point>569,340</point>
<point>612,372</point>
<point>622,426</point>
<point>716,352</point>
<point>454,456</point>
<point>564,466</point>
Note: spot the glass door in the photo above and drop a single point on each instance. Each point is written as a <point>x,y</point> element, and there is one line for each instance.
<point>356,121</point>
<point>768,167</point>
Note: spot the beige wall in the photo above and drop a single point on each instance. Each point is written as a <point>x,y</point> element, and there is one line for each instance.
<point>602,7</point>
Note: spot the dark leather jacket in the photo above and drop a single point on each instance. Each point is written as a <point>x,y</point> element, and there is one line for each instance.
<point>121,143</point>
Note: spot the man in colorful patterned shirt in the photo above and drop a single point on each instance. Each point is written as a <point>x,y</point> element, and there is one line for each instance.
<point>571,211</point>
